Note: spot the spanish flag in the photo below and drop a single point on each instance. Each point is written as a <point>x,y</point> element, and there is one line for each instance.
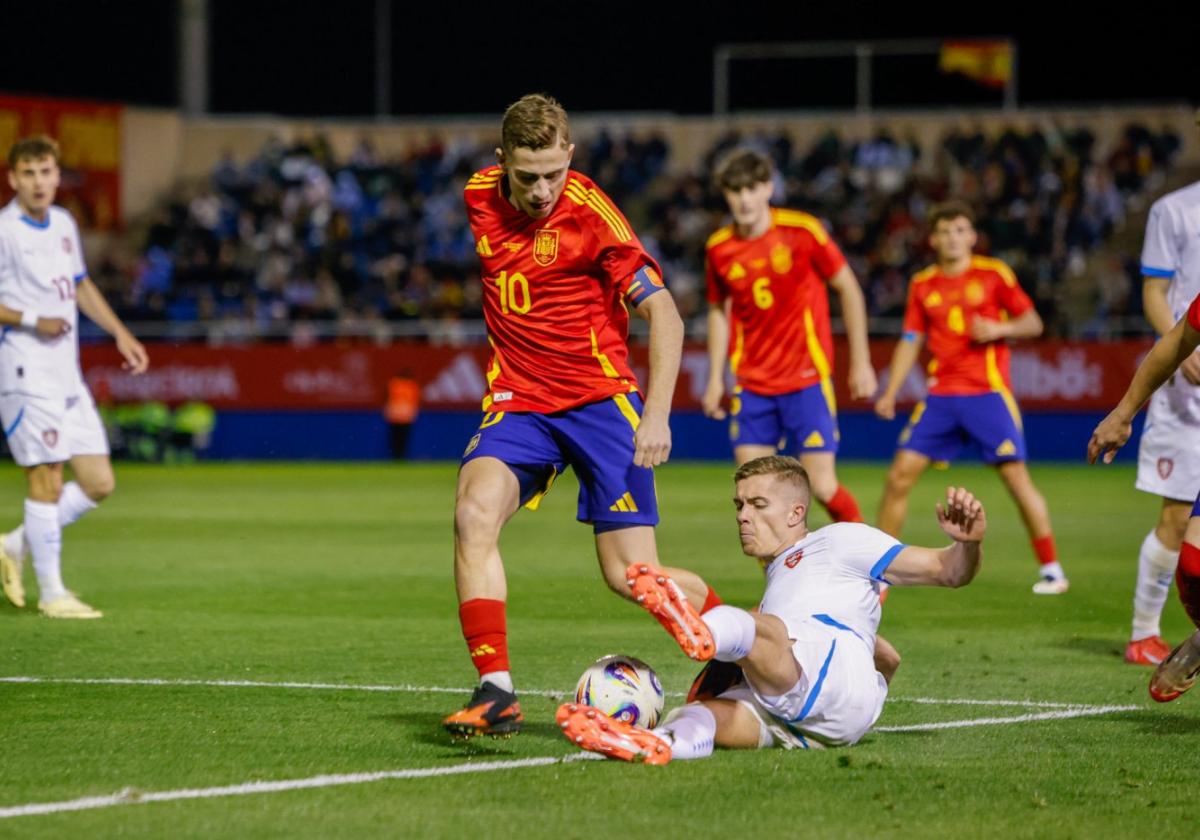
<point>987,62</point>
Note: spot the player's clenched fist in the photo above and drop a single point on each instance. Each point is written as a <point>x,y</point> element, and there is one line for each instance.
<point>1112,433</point>
<point>961,517</point>
<point>652,442</point>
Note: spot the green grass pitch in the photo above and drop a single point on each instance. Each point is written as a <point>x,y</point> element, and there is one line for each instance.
<point>341,574</point>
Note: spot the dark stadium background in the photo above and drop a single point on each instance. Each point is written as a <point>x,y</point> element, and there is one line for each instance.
<point>310,58</point>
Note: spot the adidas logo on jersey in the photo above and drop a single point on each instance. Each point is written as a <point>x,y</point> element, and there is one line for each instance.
<point>1006,448</point>
<point>625,504</point>
<point>737,272</point>
<point>814,440</point>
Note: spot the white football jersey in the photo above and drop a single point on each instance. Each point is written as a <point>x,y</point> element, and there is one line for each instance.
<point>1172,246</point>
<point>40,265</point>
<point>833,574</point>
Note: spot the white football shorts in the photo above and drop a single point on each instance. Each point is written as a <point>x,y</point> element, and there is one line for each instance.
<point>43,430</point>
<point>837,700</point>
<point>1168,456</point>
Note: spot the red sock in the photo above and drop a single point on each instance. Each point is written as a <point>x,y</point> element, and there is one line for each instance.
<point>1187,581</point>
<point>1045,550</point>
<point>843,507</point>
<point>486,632</point>
<point>711,599</point>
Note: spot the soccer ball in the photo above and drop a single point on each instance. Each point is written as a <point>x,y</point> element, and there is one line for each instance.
<point>623,688</point>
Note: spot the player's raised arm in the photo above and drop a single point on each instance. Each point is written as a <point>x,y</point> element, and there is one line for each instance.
<point>854,313</point>
<point>718,350</point>
<point>92,304</point>
<point>1162,360</point>
<point>652,441</point>
<point>961,518</point>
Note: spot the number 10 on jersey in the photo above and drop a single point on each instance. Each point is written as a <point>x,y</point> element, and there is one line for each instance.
<point>514,293</point>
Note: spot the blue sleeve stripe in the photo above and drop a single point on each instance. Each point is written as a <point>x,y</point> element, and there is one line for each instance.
<point>816,689</point>
<point>1151,271</point>
<point>79,277</point>
<point>20,416</point>
<point>886,560</point>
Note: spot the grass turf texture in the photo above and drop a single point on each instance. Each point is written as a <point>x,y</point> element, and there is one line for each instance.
<point>342,574</point>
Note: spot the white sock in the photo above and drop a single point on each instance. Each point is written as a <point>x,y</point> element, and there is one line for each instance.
<point>73,503</point>
<point>690,730</point>
<point>1054,570</point>
<point>44,536</point>
<point>1156,568</point>
<point>500,679</point>
<point>733,632</point>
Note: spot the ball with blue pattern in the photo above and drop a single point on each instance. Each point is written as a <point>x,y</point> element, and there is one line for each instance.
<point>624,688</point>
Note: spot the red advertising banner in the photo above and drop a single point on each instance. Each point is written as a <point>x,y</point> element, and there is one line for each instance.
<point>1047,376</point>
<point>89,137</point>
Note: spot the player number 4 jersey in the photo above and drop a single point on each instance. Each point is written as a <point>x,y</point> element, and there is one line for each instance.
<point>555,295</point>
<point>943,308</point>
<point>40,265</point>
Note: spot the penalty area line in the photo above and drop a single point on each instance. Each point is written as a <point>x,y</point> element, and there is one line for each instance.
<point>136,797</point>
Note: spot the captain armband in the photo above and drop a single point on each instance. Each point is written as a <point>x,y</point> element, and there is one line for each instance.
<point>646,281</point>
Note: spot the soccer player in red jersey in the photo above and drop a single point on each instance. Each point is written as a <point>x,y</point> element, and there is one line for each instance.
<point>561,270</point>
<point>1178,672</point>
<point>968,306</point>
<point>768,317</point>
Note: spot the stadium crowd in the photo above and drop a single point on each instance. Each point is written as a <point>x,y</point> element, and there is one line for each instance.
<point>295,243</point>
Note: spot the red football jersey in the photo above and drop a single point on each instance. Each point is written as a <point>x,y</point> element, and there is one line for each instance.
<point>1193,314</point>
<point>554,295</point>
<point>943,308</point>
<point>780,339</point>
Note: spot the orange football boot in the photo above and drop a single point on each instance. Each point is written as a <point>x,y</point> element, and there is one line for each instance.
<point>592,730</point>
<point>490,711</point>
<point>1151,650</point>
<point>663,599</point>
<point>1177,673</point>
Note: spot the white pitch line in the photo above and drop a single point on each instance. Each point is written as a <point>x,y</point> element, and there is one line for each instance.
<point>1082,711</point>
<point>435,689</point>
<point>134,797</point>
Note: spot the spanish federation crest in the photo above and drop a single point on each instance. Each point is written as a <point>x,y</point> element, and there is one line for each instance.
<point>545,247</point>
<point>781,259</point>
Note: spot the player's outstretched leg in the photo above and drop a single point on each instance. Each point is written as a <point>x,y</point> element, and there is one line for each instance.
<point>662,598</point>
<point>12,564</point>
<point>1178,671</point>
<point>592,730</point>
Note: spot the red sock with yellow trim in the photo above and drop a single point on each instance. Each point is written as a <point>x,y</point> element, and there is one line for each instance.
<point>486,631</point>
<point>1187,581</point>
<point>843,507</point>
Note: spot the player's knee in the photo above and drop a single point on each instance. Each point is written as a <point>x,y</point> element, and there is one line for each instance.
<point>474,518</point>
<point>900,479</point>
<point>100,488</point>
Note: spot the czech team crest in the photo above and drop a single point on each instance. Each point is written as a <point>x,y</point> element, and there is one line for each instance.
<point>50,437</point>
<point>545,247</point>
<point>1165,467</point>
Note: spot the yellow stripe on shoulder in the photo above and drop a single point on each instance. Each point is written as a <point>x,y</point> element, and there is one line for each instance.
<point>800,219</point>
<point>998,266</point>
<point>924,274</point>
<point>581,195</point>
<point>494,172</point>
<point>720,235</point>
